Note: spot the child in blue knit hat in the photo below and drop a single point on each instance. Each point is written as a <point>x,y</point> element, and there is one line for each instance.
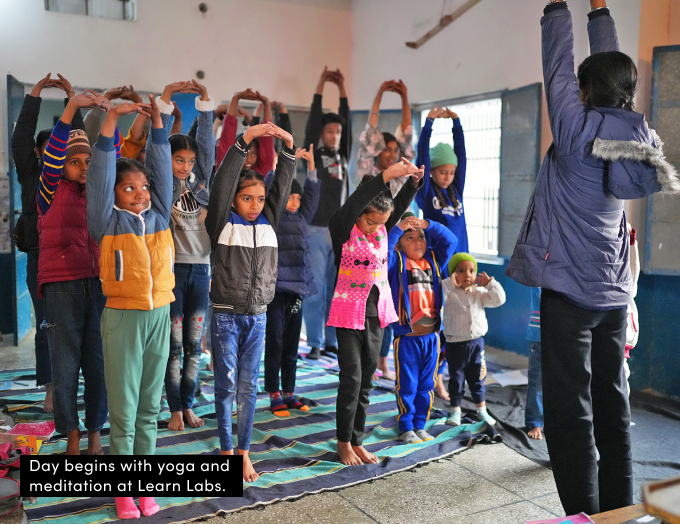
<point>466,295</point>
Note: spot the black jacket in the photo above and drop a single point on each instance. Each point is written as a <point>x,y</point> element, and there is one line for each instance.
<point>246,253</point>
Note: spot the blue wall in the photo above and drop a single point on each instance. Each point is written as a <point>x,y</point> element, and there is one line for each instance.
<point>655,361</point>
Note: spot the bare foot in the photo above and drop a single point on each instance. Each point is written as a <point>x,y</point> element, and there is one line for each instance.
<point>73,443</point>
<point>48,406</point>
<point>94,445</point>
<point>440,389</point>
<point>347,455</point>
<point>230,452</point>
<point>535,433</point>
<point>191,418</point>
<point>385,368</point>
<point>249,473</point>
<point>388,375</point>
<point>176,421</point>
<point>364,455</point>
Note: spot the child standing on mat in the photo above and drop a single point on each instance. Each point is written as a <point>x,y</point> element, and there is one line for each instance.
<point>293,284</point>
<point>68,279</point>
<point>533,412</point>
<point>362,304</point>
<point>242,222</point>
<point>415,280</point>
<point>192,165</point>
<point>442,196</point>
<point>129,216</point>
<point>467,294</point>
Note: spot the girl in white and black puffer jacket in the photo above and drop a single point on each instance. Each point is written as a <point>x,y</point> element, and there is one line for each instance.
<point>242,221</point>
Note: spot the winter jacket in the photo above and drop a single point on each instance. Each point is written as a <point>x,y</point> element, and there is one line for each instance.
<point>464,316</point>
<point>137,252</point>
<point>442,247</point>
<point>332,165</point>
<point>245,253</point>
<point>67,250</point>
<point>294,273</point>
<point>433,209</point>
<point>28,167</point>
<point>574,239</point>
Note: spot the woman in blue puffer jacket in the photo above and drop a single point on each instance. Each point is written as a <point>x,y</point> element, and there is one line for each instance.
<point>574,244</point>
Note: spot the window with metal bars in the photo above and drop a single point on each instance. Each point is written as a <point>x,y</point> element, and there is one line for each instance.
<point>481,121</point>
<point>116,9</point>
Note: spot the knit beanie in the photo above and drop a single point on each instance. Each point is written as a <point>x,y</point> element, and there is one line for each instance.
<point>458,258</point>
<point>442,154</point>
<point>77,143</point>
<point>296,188</point>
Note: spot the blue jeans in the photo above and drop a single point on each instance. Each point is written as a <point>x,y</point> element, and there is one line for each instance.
<point>238,343</point>
<point>73,312</point>
<point>187,313</point>
<point>533,414</point>
<point>43,368</point>
<point>315,308</point>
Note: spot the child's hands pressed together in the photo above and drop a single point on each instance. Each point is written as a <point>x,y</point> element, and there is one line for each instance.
<point>131,95</point>
<point>89,98</point>
<point>435,112</point>
<point>449,114</point>
<point>65,86</point>
<point>114,93</point>
<point>483,279</point>
<point>413,223</point>
<point>308,155</point>
<point>199,89</point>
<point>284,135</point>
<point>43,83</point>
<point>257,131</point>
<point>177,87</point>
<point>404,168</point>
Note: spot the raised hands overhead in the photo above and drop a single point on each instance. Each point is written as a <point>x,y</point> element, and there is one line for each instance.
<point>188,86</point>
<point>308,155</point>
<point>131,95</point>
<point>413,223</point>
<point>269,129</point>
<point>43,83</point>
<point>247,94</point>
<point>109,126</point>
<point>89,98</point>
<point>334,77</point>
<point>177,122</point>
<point>405,168</point>
<point>65,86</point>
<point>278,106</point>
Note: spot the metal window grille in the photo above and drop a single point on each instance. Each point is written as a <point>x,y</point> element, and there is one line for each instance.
<point>115,9</point>
<point>481,123</point>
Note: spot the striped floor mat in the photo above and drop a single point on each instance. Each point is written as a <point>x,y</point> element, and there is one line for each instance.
<point>294,455</point>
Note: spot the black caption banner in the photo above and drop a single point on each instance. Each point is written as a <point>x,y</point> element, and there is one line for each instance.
<point>125,476</point>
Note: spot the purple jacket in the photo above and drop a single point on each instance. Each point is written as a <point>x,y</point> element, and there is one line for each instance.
<point>574,238</point>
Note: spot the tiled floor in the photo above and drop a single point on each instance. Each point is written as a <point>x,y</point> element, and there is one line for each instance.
<point>489,483</point>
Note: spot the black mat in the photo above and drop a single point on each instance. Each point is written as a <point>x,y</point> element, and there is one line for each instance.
<point>656,433</point>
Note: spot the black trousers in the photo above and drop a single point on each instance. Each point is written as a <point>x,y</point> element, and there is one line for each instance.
<point>586,405</point>
<point>284,322</point>
<point>358,352</point>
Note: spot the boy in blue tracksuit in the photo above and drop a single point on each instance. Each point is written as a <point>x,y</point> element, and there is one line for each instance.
<point>415,280</point>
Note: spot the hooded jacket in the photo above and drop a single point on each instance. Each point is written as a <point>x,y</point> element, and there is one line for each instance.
<point>574,238</point>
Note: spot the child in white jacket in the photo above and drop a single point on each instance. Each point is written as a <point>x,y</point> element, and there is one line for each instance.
<point>464,328</point>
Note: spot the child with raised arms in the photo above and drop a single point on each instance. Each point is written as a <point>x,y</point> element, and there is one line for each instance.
<point>242,222</point>
<point>362,303</point>
<point>415,280</point>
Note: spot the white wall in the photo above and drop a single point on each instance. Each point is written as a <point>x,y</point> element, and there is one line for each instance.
<point>495,45</point>
<point>277,46</point>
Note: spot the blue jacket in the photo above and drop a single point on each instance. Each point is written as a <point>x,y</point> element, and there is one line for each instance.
<point>427,200</point>
<point>295,267</point>
<point>574,238</point>
<point>442,245</point>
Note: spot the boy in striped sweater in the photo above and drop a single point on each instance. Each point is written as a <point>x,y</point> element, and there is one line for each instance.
<point>68,279</point>
<point>464,327</point>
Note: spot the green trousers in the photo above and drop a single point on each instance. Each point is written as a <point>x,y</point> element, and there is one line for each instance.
<point>136,348</point>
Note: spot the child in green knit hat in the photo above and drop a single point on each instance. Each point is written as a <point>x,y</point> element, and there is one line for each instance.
<point>466,295</point>
<point>441,197</point>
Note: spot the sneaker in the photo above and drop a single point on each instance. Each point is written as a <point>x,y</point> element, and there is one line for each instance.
<point>314,354</point>
<point>332,350</point>
<point>453,418</point>
<point>410,437</point>
<point>423,435</point>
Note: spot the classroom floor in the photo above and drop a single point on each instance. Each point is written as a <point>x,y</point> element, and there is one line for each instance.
<point>489,483</point>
